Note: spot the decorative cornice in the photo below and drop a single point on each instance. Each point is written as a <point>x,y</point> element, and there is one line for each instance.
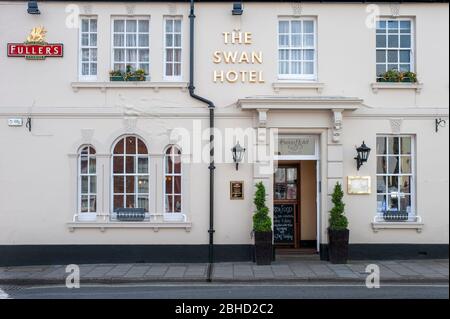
<point>299,103</point>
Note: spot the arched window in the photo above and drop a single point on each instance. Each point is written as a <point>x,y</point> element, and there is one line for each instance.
<point>130,174</point>
<point>87,182</point>
<point>172,185</point>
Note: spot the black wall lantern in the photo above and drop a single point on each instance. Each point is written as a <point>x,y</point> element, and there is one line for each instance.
<point>238,153</point>
<point>33,7</point>
<point>238,8</point>
<point>363,155</point>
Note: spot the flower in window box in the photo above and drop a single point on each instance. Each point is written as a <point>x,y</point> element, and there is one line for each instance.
<point>116,75</point>
<point>409,77</point>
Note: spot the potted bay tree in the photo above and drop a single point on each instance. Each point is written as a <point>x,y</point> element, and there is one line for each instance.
<point>338,232</point>
<point>262,227</point>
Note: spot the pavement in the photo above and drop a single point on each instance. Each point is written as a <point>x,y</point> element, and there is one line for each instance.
<point>283,270</point>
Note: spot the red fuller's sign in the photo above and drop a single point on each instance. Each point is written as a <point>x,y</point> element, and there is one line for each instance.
<point>35,47</point>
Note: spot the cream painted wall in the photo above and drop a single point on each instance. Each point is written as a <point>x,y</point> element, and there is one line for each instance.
<point>38,178</point>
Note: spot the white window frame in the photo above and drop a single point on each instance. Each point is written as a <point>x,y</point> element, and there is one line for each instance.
<point>89,215</point>
<point>413,213</point>
<point>125,174</point>
<point>173,215</point>
<point>412,62</point>
<point>137,18</point>
<point>89,77</point>
<point>297,77</point>
<point>173,77</point>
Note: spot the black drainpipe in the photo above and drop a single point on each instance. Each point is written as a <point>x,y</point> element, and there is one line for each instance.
<point>211,167</point>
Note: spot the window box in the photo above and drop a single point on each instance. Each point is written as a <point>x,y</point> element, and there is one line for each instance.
<point>395,216</point>
<point>130,214</point>
<point>403,80</point>
<point>117,78</point>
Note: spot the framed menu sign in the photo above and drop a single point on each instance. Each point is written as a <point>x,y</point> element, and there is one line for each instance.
<point>237,190</point>
<point>358,185</point>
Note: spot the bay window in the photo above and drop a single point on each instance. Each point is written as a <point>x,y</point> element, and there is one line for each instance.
<point>395,176</point>
<point>131,44</point>
<point>297,49</point>
<point>130,174</point>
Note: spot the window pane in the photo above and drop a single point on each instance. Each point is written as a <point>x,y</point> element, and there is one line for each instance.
<point>177,55</point>
<point>296,26</point>
<point>295,68</point>
<point>119,40</point>
<point>143,203</point>
<point>308,68</point>
<point>280,175</point>
<point>142,165</point>
<point>84,204</point>
<point>405,184</point>
<point>118,164</point>
<point>291,191</point>
<point>143,184</point>
<point>405,204</point>
<point>84,54</point>
<point>177,184</point>
<point>381,41</point>
<point>83,164</point>
<point>381,25</point>
<point>381,184</point>
<point>142,149</point>
<point>404,67</point>
<point>177,42</point>
<point>392,56</point>
<point>392,24</point>
<point>381,203</point>
<point>405,56</point>
<point>392,184</point>
<point>283,54</point>
<point>284,67</point>
<point>280,191</point>
<point>144,26</point>
<point>130,201</point>
<point>406,145</point>
<point>381,68</point>
<point>131,25</point>
<point>132,55</point>
<point>118,202</point>
<point>93,40</point>
<point>177,26</point>
<point>119,55</point>
<point>93,27</point>
<point>130,184</point>
<point>169,25</point>
<point>177,164</point>
<point>130,164</point>
<point>308,40</point>
<point>168,187</point>
<point>308,26</point>
<point>381,145</point>
<point>93,204</point>
<point>405,41</point>
<point>393,164</point>
<point>92,164</point>
<point>284,40</point>
<point>119,26</point>
<point>131,40</point>
<point>405,25</point>
<point>84,184</point>
<point>381,165</point>
<point>308,55</point>
<point>169,164</point>
<point>143,40</point>
<point>406,165</point>
<point>169,40</point>
<point>393,143</point>
<point>381,56</point>
<point>84,25</point>
<point>93,184</point>
<point>177,204</point>
<point>169,204</point>
<point>131,145</point>
<point>169,55</point>
<point>118,184</point>
<point>393,41</point>
<point>296,40</point>
<point>393,202</point>
<point>144,55</point>
<point>296,55</point>
<point>283,26</point>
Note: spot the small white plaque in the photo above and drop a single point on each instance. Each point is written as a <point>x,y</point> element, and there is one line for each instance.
<point>358,185</point>
<point>15,122</point>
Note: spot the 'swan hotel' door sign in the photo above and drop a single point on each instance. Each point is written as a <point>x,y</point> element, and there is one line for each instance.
<point>35,47</point>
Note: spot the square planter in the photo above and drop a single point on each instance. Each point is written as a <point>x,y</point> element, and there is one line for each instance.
<point>263,248</point>
<point>338,246</point>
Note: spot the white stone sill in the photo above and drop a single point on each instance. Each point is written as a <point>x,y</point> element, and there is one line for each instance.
<point>102,226</point>
<point>277,86</point>
<point>396,86</point>
<point>156,86</point>
<point>377,225</point>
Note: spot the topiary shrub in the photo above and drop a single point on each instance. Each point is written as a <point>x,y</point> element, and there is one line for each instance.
<point>337,220</point>
<point>261,219</point>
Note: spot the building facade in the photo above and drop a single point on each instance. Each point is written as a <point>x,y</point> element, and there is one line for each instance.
<point>98,166</point>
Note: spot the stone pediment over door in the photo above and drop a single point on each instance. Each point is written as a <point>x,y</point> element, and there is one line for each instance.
<point>335,104</point>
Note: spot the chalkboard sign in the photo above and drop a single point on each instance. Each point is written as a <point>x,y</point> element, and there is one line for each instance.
<point>283,221</point>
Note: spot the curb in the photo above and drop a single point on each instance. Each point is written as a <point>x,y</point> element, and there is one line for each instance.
<point>111,281</point>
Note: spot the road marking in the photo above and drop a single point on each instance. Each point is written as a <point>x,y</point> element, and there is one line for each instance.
<point>3,294</point>
<point>224,285</point>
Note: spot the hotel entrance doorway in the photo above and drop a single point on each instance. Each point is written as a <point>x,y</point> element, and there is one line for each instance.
<point>295,211</point>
